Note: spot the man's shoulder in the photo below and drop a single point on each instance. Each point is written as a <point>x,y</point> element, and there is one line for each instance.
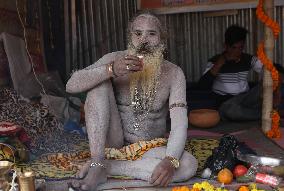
<point>170,66</point>
<point>247,58</point>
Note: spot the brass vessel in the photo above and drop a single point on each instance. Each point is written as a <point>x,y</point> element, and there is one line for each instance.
<point>27,181</point>
<point>5,166</point>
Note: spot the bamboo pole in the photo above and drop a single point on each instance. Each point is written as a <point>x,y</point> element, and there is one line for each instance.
<point>267,84</point>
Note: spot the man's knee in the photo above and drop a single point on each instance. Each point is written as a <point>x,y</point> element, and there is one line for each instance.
<point>101,90</point>
<point>188,167</point>
<point>98,95</point>
<point>190,163</point>
<point>228,109</point>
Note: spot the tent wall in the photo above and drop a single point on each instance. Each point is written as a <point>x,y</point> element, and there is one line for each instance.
<point>93,28</point>
<point>8,18</point>
<point>53,34</point>
<point>31,18</point>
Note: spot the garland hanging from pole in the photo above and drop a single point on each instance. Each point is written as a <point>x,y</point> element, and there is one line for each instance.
<point>274,132</point>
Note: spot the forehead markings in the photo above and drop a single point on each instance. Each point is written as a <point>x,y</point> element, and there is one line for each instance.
<point>145,27</point>
<point>146,30</point>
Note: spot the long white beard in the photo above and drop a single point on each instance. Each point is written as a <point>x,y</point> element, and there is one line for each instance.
<point>143,84</point>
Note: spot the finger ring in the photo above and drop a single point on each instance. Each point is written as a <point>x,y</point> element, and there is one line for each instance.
<point>127,67</point>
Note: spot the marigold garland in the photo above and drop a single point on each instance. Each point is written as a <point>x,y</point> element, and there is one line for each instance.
<point>206,186</point>
<point>266,19</point>
<point>274,132</point>
<point>268,65</point>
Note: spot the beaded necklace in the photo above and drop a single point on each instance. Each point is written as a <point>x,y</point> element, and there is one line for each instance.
<point>143,103</point>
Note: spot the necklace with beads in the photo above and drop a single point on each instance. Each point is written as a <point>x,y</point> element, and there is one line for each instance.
<point>142,103</point>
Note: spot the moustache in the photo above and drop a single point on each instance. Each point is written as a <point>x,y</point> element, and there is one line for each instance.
<point>145,48</point>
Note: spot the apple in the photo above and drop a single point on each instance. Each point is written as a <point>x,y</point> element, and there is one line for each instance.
<point>239,170</point>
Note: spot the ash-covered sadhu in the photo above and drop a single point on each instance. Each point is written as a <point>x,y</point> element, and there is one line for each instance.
<point>129,95</point>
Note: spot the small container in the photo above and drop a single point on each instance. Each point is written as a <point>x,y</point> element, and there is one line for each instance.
<point>275,170</point>
<point>263,178</point>
<point>27,181</point>
<point>141,59</point>
<point>273,181</point>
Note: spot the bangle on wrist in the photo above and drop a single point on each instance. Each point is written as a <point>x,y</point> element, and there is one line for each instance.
<point>174,161</point>
<point>110,70</point>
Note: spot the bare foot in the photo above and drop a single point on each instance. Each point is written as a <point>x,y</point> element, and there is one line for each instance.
<point>95,176</point>
<point>83,170</point>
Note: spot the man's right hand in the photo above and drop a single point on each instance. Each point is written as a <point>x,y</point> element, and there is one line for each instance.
<point>163,173</point>
<point>127,65</point>
<point>218,64</point>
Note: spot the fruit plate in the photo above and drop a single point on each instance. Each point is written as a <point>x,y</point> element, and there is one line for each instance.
<point>261,160</point>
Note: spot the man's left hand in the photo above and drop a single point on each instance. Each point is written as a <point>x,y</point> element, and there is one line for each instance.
<point>163,173</point>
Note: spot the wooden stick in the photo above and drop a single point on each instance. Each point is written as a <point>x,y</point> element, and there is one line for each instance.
<point>267,84</point>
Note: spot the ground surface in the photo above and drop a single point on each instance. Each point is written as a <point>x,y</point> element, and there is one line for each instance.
<point>255,138</point>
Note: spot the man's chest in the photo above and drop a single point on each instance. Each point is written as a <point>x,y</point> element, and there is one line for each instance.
<point>157,95</point>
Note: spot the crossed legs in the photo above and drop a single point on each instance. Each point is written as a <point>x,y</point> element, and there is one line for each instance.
<point>143,168</point>
<point>104,129</point>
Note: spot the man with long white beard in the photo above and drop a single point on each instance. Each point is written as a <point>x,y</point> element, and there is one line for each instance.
<point>129,95</point>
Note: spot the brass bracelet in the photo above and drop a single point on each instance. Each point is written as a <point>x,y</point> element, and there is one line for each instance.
<point>174,161</point>
<point>110,69</point>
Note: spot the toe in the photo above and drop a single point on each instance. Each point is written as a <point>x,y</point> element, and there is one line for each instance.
<point>83,171</point>
<point>80,175</point>
<point>73,187</point>
<point>75,184</point>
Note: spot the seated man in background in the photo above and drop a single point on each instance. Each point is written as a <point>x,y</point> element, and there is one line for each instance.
<point>129,94</point>
<point>227,76</point>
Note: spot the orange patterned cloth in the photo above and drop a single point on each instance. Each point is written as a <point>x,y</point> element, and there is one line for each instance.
<point>70,161</point>
<point>135,150</point>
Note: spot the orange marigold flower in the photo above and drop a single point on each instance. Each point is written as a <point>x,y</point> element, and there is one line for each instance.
<point>181,188</point>
<point>275,131</point>
<point>243,188</point>
<point>267,20</point>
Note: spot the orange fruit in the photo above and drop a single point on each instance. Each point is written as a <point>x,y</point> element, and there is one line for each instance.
<point>225,176</point>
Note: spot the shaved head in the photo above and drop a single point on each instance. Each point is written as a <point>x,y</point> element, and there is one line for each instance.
<point>146,33</point>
